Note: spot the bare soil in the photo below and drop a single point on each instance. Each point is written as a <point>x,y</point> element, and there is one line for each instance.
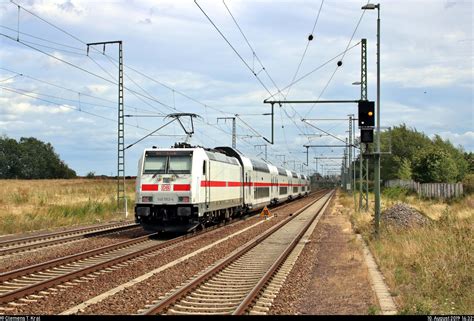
<point>330,276</point>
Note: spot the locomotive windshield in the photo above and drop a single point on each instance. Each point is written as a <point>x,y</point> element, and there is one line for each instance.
<point>167,163</point>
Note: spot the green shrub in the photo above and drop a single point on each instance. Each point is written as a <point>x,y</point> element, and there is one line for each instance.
<point>397,192</point>
<point>468,184</point>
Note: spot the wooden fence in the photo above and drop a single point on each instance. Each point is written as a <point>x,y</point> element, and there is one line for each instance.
<point>429,190</point>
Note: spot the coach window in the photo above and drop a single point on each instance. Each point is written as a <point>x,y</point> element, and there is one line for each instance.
<point>204,166</point>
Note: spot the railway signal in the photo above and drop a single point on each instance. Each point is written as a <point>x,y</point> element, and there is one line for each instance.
<point>366,135</point>
<point>366,113</point>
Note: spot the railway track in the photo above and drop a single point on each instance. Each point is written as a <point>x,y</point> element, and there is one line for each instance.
<point>235,283</point>
<point>24,284</point>
<point>23,244</point>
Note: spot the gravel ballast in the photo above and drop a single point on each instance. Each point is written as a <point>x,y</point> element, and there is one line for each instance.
<point>134,298</point>
<point>330,275</point>
<point>40,255</point>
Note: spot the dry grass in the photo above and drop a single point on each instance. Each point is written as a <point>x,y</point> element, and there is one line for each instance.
<point>429,269</point>
<point>27,205</point>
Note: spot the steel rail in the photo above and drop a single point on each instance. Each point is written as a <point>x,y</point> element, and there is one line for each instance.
<point>47,283</point>
<point>28,247</point>
<point>254,293</point>
<point>44,240</point>
<point>180,293</point>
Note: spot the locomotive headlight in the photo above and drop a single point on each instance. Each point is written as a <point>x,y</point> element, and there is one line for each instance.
<point>147,199</point>
<point>183,199</point>
<point>184,211</point>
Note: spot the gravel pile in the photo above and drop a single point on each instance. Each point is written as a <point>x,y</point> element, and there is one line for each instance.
<point>404,216</point>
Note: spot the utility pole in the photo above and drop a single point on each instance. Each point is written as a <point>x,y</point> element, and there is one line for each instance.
<point>120,128</point>
<point>263,145</point>
<point>294,164</point>
<point>284,161</point>
<point>234,130</point>
<point>363,168</point>
<point>371,6</point>
<point>350,153</point>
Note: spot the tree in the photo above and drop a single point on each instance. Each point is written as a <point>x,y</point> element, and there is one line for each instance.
<point>409,147</point>
<point>30,158</point>
<point>435,165</point>
<point>404,171</point>
<point>9,158</point>
<point>469,157</point>
<point>406,144</point>
<point>457,155</point>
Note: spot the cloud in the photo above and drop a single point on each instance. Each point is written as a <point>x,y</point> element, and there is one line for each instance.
<point>146,21</point>
<point>423,49</point>
<point>68,6</point>
<point>428,76</point>
<point>464,139</point>
<point>449,4</point>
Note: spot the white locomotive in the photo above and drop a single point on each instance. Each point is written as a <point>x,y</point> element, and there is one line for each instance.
<point>182,188</point>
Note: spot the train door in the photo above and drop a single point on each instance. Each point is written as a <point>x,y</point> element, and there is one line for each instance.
<point>206,177</point>
<point>247,188</point>
<point>250,188</point>
<point>275,187</point>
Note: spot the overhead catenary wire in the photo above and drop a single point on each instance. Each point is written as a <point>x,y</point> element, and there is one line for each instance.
<point>57,97</point>
<point>127,66</point>
<point>253,53</point>
<point>235,51</point>
<point>45,40</point>
<point>306,48</point>
<point>64,61</point>
<point>314,70</point>
<point>76,38</point>
<point>86,71</point>
<point>68,89</point>
<point>65,106</point>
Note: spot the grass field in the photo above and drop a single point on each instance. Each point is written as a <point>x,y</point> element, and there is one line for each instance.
<point>428,269</point>
<point>28,205</point>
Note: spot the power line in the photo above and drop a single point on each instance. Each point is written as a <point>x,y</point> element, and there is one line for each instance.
<point>66,106</point>
<point>322,92</point>
<point>57,97</point>
<point>314,70</point>
<point>236,52</point>
<point>79,40</point>
<point>43,39</point>
<point>254,55</point>
<point>58,28</point>
<point>306,48</point>
<point>68,89</point>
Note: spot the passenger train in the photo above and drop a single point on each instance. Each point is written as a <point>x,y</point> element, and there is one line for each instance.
<point>184,187</point>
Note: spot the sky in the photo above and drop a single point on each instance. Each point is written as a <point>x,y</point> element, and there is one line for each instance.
<point>175,61</point>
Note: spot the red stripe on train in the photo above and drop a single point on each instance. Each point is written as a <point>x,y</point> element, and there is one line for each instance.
<point>149,187</point>
<point>213,184</point>
<point>263,184</point>
<point>181,187</point>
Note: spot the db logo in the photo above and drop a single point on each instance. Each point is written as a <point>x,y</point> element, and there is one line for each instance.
<point>165,188</point>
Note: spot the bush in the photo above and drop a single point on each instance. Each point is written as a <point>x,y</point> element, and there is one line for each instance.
<point>468,184</point>
<point>397,192</point>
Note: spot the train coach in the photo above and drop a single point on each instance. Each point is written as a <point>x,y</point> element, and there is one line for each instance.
<point>184,187</point>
